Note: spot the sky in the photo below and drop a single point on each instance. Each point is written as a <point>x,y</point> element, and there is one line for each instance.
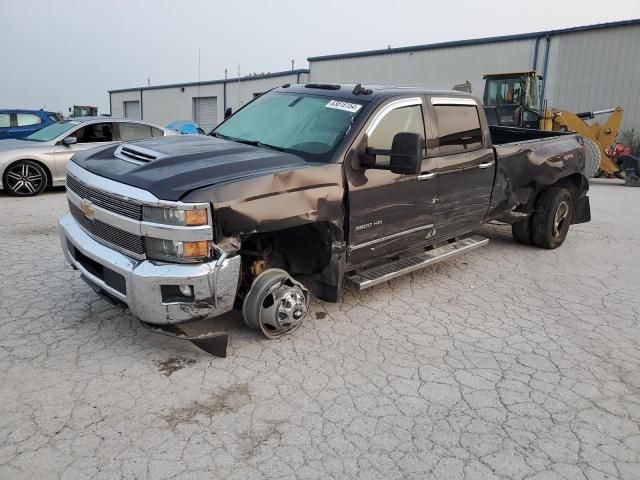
<point>60,53</point>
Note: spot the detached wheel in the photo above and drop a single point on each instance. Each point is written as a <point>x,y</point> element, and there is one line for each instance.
<point>24,179</point>
<point>552,218</point>
<point>522,232</point>
<point>592,157</point>
<point>276,304</point>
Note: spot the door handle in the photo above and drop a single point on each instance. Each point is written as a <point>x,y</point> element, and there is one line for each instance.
<point>486,165</point>
<point>425,176</point>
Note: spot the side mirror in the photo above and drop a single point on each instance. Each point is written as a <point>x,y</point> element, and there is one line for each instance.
<point>228,112</point>
<point>406,153</point>
<point>70,140</point>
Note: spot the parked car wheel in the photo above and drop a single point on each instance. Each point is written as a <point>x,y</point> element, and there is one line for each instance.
<point>24,178</point>
<point>552,218</point>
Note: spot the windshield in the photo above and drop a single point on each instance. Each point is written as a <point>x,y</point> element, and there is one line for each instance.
<point>503,91</point>
<point>52,131</point>
<point>308,125</point>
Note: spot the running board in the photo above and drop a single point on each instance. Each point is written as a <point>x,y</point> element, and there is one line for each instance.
<point>396,268</point>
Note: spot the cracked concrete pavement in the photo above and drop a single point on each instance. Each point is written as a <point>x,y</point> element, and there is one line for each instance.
<point>509,362</point>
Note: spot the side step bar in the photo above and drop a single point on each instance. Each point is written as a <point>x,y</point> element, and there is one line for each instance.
<point>382,273</point>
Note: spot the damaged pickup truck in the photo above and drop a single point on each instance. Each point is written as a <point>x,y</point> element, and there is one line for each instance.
<point>308,188</point>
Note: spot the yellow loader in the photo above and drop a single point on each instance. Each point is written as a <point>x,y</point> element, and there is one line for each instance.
<point>513,100</point>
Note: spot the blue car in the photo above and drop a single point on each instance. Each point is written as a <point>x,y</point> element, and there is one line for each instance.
<point>22,123</point>
<point>186,127</point>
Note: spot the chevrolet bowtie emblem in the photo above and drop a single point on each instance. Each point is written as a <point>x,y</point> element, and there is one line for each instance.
<point>87,209</point>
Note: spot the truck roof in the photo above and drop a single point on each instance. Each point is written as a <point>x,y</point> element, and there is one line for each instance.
<point>377,92</point>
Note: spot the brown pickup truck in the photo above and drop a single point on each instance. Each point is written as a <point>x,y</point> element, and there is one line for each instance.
<point>308,188</point>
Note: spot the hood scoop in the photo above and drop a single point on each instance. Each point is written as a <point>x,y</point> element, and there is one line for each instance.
<point>137,155</point>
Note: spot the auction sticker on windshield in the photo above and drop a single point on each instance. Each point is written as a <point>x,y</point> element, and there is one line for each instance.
<point>346,106</point>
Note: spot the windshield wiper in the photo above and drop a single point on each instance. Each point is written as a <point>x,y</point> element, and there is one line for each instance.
<point>255,143</point>
<point>219,135</point>
<point>258,143</point>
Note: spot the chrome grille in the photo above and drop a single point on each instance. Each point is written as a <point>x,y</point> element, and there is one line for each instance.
<point>112,235</point>
<point>113,203</point>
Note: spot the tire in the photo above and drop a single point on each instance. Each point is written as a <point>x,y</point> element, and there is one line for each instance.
<point>521,232</point>
<point>552,218</point>
<point>24,178</point>
<point>592,158</point>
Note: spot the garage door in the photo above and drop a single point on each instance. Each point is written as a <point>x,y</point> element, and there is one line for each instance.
<point>205,112</point>
<point>132,110</point>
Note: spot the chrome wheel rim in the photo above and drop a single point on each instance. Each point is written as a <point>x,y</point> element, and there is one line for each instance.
<point>276,304</point>
<point>24,179</point>
<point>291,308</point>
<point>562,213</point>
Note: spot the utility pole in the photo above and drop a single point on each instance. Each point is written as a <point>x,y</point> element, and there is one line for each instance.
<point>239,99</point>
<point>199,73</point>
<point>293,64</point>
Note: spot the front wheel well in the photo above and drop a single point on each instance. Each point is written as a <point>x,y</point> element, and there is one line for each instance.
<point>303,250</point>
<point>306,250</point>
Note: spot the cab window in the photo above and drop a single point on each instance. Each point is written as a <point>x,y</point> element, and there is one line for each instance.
<point>504,91</point>
<point>458,128</point>
<point>402,119</point>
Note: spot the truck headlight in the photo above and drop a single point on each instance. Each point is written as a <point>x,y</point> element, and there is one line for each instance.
<point>176,216</point>
<point>177,251</point>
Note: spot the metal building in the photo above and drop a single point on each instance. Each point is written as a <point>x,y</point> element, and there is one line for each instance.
<point>204,102</point>
<point>593,67</point>
<point>584,68</point>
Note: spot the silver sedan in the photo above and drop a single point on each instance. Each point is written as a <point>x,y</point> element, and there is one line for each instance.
<point>29,165</point>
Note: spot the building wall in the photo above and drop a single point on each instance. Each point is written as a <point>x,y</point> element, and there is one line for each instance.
<point>438,68</point>
<point>595,70</point>
<point>239,94</point>
<point>168,104</point>
<point>586,70</point>
<point>175,102</point>
<point>117,102</point>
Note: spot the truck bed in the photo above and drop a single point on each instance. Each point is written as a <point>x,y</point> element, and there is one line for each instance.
<point>504,135</point>
<point>528,161</point>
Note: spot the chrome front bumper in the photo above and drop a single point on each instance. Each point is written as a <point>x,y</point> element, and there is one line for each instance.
<point>138,283</point>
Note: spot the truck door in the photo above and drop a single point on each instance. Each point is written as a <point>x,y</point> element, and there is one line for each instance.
<point>389,212</point>
<point>466,165</point>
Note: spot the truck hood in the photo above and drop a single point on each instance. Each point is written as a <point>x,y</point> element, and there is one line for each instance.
<point>178,165</point>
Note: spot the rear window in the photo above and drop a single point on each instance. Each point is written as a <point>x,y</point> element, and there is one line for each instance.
<point>458,128</point>
<point>134,131</point>
<point>26,119</point>
<point>55,117</point>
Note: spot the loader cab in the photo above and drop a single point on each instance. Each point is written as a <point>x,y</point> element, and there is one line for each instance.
<point>513,99</point>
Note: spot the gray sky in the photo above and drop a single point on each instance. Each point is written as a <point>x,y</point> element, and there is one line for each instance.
<point>58,53</point>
